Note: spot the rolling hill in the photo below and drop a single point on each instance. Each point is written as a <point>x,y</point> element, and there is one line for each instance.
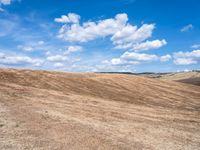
<point>57,110</point>
<point>191,77</point>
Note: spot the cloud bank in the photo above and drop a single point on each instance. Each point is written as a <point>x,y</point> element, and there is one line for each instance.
<point>122,34</point>
<point>187,58</point>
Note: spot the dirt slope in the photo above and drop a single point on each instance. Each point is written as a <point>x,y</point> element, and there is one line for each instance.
<point>52,110</point>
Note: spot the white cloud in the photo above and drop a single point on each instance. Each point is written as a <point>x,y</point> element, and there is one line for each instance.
<point>62,56</point>
<point>187,58</point>
<point>138,56</point>
<point>72,49</point>
<point>186,70</point>
<point>132,58</point>
<point>48,53</point>
<point>92,30</point>
<point>195,46</point>
<point>119,61</point>
<point>165,58</point>
<point>19,60</point>
<point>187,28</point>
<point>70,18</point>
<point>57,58</point>
<point>130,35</point>
<point>193,54</point>
<point>5,2</point>
<point>40,42</point>
<point>149,45</point>
<point>31,46</point>
<point>184,61</point>
<point>121,33</point>
<point>58,65</point>
<point>25,48</point>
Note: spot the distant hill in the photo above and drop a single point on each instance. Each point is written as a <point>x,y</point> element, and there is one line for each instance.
<point>190,77</point>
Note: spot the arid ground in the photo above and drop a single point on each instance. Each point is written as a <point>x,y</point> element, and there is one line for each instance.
<point>43,110</point>
<point>184,77</point>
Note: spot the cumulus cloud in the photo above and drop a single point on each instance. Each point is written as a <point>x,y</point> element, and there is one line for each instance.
<point>57,58</point>
<point>70,18</point>
<point>122,34</point>
<point>132,58</point>
<point>25,48</point>
<point>195,46</point>
<point>187,28</point>
<point>63,56</point>
<point>187,58</point>
<point>58,65</point>
<point>5,2</point>
<point>149,45</point>
<point>72,49</point>
<point>184,61</point>
<point>130,35</point>
<point>19,60</point>
<point>138,56</point>
<point>40,42</point>
<point>165,58</point>
<point>192,54</point>
<point>31,46</point>
<point>120,61</point>
<point>92,30</point>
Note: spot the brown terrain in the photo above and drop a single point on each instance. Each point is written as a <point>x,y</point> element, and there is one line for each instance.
<point>43,110</point>
<point>191,77</point>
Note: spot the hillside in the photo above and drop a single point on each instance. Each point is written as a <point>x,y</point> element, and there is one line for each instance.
<point>55,110</point>
<point>192,77</point>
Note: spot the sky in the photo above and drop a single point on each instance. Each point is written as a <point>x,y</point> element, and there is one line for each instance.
<point>100,36</point>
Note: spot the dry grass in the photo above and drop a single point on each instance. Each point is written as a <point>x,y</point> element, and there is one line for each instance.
<point>184,77</point>
<point>181,75</point>
<point>53,110</point>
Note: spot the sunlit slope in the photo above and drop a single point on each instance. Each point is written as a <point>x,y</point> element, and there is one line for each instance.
<point>192,77</point>
<point>54,110</point>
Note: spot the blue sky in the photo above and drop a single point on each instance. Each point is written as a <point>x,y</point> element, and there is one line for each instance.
<point>106,35</point>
